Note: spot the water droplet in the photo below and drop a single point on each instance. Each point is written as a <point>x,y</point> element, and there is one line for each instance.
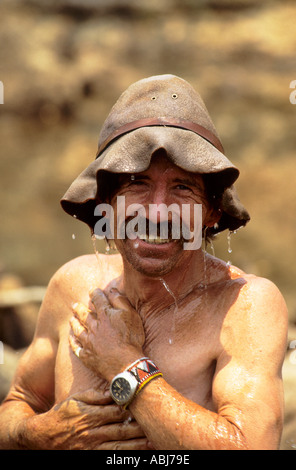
<point>132,177</point>
<point>75,216</point>
<point>229,249</point>
<point>93,239</point>
<point>73,236</point>
<point>169,291</point>
<point>212,247</point>
<point>176,306</point>
<point>128,420</point>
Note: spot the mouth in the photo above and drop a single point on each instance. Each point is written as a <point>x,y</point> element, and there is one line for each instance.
<point>151,240</point>
<point>153,236</point>
<point>156,234</point>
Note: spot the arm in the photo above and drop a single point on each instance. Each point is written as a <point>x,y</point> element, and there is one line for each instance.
<point>247,386</point>
<point>32,390</point>
<point>28,417</point>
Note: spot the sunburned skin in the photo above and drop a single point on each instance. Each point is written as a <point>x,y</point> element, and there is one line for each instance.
<point>195,342</point>
<point>219,341</point>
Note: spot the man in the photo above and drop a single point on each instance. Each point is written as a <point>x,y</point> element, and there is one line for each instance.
<point>192,347</point>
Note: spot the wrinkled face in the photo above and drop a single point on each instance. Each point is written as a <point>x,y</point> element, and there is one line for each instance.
<point>154,208</point>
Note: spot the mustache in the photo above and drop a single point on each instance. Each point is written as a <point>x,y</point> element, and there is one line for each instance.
<point>144,227</point>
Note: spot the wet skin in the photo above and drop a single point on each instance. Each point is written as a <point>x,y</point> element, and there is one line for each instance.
<point>220,350</point>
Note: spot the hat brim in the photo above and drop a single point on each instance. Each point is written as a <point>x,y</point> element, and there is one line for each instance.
<point>132,153</point>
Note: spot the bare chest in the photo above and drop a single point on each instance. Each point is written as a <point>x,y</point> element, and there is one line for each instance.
<point>182,346</point>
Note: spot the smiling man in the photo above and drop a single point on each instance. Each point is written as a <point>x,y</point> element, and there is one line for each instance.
<point>158,346</point>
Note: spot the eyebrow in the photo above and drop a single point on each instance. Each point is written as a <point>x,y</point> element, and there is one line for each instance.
<point>189,182</point>
<point>181,180</point>
<point>185,180</point>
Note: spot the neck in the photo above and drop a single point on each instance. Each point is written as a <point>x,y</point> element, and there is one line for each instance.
<point>147,293</point>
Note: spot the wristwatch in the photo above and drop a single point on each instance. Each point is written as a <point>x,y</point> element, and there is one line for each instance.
<point>123,388</point>
<point>126,385</point>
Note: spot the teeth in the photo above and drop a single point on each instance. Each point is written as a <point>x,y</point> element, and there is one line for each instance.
<point>153,240</point>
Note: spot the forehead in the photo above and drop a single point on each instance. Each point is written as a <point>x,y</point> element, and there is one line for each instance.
<point>161,167</point>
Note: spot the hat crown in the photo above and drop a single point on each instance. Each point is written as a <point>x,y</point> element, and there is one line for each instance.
<point>157,96</point>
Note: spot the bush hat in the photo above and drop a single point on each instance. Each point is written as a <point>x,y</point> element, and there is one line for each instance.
<point>165,113</point>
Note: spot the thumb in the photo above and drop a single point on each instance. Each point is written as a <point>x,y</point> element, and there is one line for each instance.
<point>118,300</point>
<point>94,397</point>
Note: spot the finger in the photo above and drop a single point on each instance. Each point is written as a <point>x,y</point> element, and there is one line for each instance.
<point>122,431</point>
<point>98,397</point>
<point>117,300</point>
<point>78,330</point>
<point>132,444</point>
<point>111,413</point>
<point>99,299</point>
<point>81,312</point>
<point>74,344</point>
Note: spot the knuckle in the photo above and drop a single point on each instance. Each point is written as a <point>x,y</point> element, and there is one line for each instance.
<point>97,294</point>
<point>116,445</point>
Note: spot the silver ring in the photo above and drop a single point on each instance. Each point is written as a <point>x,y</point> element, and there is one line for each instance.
<point>77,351</point>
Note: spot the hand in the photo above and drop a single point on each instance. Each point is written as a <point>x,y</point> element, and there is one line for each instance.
<point>111,336</point>
<point>85,421</point>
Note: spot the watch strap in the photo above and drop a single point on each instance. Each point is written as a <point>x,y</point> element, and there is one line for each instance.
<point>143,370</point>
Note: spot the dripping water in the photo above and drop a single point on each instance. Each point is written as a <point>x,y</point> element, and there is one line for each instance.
<point>212,248</point>
<point>107,247</point>
<point>94,239</point>
<point>94,243</point>
<point>128,420</point>
<point>103,266</point>
<point>165,285</point>
<point>208,242</point>
<point>73,234</point>
<point>229,248</point>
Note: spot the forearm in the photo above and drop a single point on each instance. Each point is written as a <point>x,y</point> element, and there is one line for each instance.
<point>14,416</point>
<point>172,422</point>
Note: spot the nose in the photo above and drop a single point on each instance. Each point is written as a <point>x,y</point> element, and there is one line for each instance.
<point>159,193</point>
<point>158,204</point>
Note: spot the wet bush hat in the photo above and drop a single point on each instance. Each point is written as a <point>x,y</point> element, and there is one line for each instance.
<point>158,113</point>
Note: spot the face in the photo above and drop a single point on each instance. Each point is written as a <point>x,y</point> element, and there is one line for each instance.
<point>163,184</point>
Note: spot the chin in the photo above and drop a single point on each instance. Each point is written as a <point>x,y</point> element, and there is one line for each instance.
<point>151,263</point>
<point>150,270</point>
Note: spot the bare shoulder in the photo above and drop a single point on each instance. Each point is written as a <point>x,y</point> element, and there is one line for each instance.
<point>255,296</point>
<point>73,282</point>
<point>258,319</point>
<point>263,297</point>
<point>89,264</point>
<point>88,272</point>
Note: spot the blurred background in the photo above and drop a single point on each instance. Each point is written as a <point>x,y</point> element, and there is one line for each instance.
<point>64,63</point>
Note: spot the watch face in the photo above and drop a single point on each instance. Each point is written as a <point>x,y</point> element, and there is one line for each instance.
<point>121,390</point>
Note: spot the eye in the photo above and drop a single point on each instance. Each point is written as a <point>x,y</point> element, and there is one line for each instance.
<point>137,183</point>
<point>183,187</point>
